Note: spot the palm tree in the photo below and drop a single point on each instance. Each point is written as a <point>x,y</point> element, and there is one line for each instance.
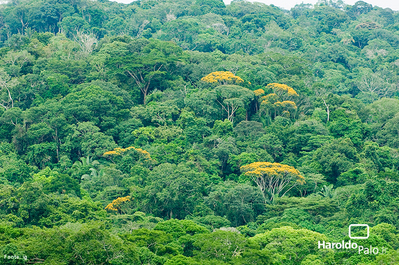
<point>94,174</point>
<point>328,191</point>
<point>82,165</point>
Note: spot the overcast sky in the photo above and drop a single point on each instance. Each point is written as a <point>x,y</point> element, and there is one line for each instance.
<point>287,4</point>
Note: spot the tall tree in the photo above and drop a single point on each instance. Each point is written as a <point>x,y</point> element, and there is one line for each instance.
<point>148,62</point>
<point>6,85</point>
<point>232,97</point>
<point>273,179</point>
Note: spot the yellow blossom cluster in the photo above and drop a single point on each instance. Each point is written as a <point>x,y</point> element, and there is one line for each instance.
<point>280,101</point>
<point>116,204</point>
<point>277,170</point>
<point>116,151</point>
<point>222,77</point>
<point>269,99</point>
<point>286,104</point>
<point>120,151</point>
<point>143,152</point>
<point>282,89</point>
<point>259,92</point>
<point>271,102</point>
<point>111,153</point>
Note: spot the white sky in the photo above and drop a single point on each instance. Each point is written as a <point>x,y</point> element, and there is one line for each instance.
<point>287,4</point>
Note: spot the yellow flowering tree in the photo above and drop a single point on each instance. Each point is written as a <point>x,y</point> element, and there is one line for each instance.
<point>138,154</point>
<point>284,107</point>
<point>283,91</point>
<point>273,179</point>
<point>120,151</point>
<point>223,78</point>
<point>116,205</point>
<point>228,93</point>
<point>259,92</point>
<point>281,101</point>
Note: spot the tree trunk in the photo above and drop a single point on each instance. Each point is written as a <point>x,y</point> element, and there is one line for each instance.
<point>327,109</point>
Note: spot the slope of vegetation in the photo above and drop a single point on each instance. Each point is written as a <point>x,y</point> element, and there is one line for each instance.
<point>191,132</point>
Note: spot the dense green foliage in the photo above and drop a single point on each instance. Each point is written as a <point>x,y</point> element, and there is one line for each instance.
<point>114,151</point>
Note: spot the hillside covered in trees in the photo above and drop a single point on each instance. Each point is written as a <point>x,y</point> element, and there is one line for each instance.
<point>193,132</point>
